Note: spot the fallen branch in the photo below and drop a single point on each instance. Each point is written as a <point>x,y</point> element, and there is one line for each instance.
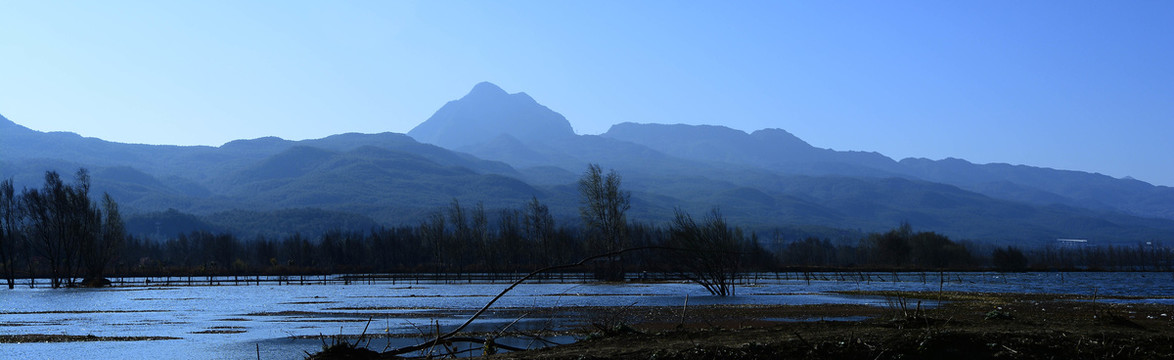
<point>449,337</point>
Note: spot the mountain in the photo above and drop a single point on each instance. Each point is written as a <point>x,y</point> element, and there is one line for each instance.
<point>501,149</point>
<point>1049,186</point>
<point>487,112</point>
<point>247,224</point>
<point>771,177</point>
<point>515,129</point>
<point>389,177</point>
<point>781,151</point>
<point>774,149</point>
<point>383,183</point>
<point>20,143</point>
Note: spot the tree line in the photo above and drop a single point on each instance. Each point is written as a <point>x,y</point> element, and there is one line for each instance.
<point>903,249</point>
<point>60,233</point>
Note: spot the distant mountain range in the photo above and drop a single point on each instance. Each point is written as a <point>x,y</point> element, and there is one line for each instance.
<point>502,149</point>
<point>778,150</point>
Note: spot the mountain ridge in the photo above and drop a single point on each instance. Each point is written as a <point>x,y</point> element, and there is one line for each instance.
<point>764,179</point>
<point>1044,186</point>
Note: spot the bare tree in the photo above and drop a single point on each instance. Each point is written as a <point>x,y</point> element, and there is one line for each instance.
<point>432,232</point>
<point>711,251</point>
<point>47,227</point>
<point>539,225</point>
<point>62,221</point>
<point>10,231</point>
<point>510,248</point>
<point>98,252</point>
<point>82,223</point>
<point>481,242</point>
<point>602,207</point>
<point>460,244</point>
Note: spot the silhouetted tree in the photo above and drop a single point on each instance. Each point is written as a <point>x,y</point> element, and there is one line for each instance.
<point>539,229</point>
<point>602,208</point>
<point>710,253</point>
<point>755,256</point>
<point>68,230</point>
<point>48,210</point>
<point>10,231</point>
<point>933,250</point>
<point>460,240</point>
<point>433,234</point>
<point>511,248</point>
<point>480,238</point>
<point>1009,259</point>
<point>809,252</point>
<point>102,249</point>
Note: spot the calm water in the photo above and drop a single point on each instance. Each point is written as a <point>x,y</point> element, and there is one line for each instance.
<point>276,318</point>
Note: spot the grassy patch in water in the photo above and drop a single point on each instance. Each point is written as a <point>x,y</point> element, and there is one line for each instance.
<point>222,330</point>
<point>80,312</point>
<point>45,338</point>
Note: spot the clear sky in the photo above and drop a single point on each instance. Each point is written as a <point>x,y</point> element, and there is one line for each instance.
<point>1082,85</point>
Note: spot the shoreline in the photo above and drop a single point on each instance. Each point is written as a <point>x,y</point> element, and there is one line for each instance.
<point>965,326</point>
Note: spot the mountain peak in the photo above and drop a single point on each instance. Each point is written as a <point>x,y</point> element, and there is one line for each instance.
<point>486,88</point>
<point>487,112</point>
<point>780,136</point>
<point>489,92</point>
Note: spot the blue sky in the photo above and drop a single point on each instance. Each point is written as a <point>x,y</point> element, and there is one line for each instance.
<point>1072,85</point>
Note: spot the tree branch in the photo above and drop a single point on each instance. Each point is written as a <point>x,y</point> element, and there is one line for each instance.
<point>448,337</point>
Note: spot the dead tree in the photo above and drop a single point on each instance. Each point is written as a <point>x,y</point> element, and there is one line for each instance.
<point>709,253</point>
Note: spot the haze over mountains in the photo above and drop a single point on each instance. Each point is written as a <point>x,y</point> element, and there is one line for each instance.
<point>502,149</point>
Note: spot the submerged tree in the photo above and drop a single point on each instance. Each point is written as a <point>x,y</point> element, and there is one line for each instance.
<point>602,208</point>
<point>708,253</point>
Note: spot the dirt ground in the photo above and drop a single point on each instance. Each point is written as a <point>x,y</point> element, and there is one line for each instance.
<point>911,326</point>
<point>965,326</point>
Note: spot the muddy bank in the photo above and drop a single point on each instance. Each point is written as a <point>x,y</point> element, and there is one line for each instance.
<point>964,326</point>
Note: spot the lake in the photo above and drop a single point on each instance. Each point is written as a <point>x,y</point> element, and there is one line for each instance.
<point>283,321</point>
